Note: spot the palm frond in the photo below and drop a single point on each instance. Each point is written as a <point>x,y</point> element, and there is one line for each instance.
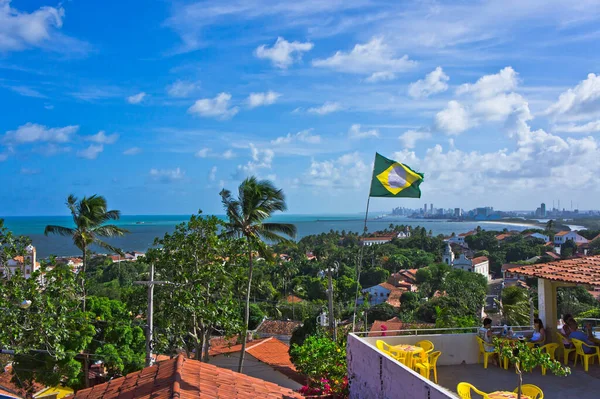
<point>59,230</point>
<point>285,228</point>
<point>109,230</point>
<point>273,237</point>
<point>107,246</point>
<point>112,215</point>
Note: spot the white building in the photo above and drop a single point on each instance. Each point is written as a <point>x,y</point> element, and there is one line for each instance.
<point>563,236</point>
<point>381,293</point>
<point>26,264</point>
<point>384,239</point>
<point>480,265</point>
<point>460,239</point>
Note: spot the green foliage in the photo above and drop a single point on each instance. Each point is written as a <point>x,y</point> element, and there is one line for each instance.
<point>373,276</point>
<point>383,311</point>
<point>515,306</point>
<point>203,270</point>
<point>568,249</point>
<point>526,359</point>
<point>323,360</point>
<point>256,316</point>
<point>574,300</point>
<point>309,327</point>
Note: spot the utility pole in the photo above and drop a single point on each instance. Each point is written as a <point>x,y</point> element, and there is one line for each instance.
<point>150,322</point>
<point>332,324</point>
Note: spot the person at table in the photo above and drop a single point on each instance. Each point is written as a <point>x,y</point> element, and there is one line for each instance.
<point>539,333</point>
<point>485,333</point>
<point>580,335</point>
<point>565,331</point>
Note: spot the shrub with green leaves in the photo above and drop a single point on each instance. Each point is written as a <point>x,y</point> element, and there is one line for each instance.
<point>323,361</point>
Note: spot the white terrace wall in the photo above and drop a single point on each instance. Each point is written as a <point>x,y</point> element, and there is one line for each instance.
<point>374,375</point>
<point>455,348</point>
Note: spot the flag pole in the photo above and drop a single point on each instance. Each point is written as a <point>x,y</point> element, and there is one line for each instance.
<point>362,249</point>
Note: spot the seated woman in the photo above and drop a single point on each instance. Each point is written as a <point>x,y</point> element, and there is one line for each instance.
<point>485,333</point>
<point>539,335</point>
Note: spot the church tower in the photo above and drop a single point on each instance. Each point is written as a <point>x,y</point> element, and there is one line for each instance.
<point>448,257</point>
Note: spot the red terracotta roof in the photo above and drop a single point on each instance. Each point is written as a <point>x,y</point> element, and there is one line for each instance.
<point>562,233</point>
<point>479,259</point>
<point>382,328</point>
<point>394,298</point>
<point>501,237</point>
<point>270,351</point>
<point>584,270</point>
<point>387,286</point>
<point>553,255</point>
<point>278,327</point>
<point>293,299</point>
<point>186,379</point>
<point>10,394</point>
<point>468,233</point>
<point>7,384</point>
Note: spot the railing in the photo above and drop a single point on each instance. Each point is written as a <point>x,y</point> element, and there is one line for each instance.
<point>446,330</point>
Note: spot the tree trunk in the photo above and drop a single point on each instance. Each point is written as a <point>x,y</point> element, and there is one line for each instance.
<point>83,276</point>
<point>247,314</point>
<point>520,385</point>
<point>86,365</point>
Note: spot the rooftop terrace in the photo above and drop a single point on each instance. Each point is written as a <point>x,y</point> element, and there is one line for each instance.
<point>377,375</point>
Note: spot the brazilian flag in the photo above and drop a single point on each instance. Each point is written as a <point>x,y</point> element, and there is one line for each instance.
<point>394,179</point>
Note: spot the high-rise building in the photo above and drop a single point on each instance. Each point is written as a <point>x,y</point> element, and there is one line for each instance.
<point>431,208</point>
<point>425,209</point>
<point>543,210</point>
<point>457,212</point>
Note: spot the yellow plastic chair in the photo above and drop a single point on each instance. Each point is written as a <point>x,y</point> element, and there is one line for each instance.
<point>426,345</point>
<point>551,350</point>
<point>464,391</point>
<point>566,351</point>
<point>533,391</point>
<point>585,356</point>
<point>425,368</point>
<point>389,350</point>
<point>486,355</point>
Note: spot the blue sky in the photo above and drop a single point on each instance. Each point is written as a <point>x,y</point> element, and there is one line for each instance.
<point>159,107</point>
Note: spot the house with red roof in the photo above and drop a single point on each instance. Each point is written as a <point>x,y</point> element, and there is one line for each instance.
<point>186,378</point>
<point>266,358</point>
<point>382,293</point>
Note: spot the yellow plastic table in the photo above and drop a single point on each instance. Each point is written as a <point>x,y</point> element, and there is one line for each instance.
<point>506,395</point>
<point>411,349</point>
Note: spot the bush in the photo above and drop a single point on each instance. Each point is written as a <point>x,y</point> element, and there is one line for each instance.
<point>323,361</point>
<point>383,311</point>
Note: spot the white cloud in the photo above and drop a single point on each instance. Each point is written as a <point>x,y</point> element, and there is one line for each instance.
<point>181,88</point>
<point>381,77</point>
<point>355,133</point>
<point>91,152</point>
<point>434,82</point>
<point>590,127</point>
<point>167,175</point>
<point>212,174</point>
<point>346,172</point>
<point>490,85</point>
<point>3,157</point>
<point>217,107</point>
<point>203,153</point>
<point>578,103</point>
<point>136,98</point>
<point>283,53</point>
<point>369,58</point>
<point>490,99</point>
<point>454,119</point>
<point>260,99</point>
<point>304,136</point>
<point>229,154</point>
<point>410,137</point>
<point>28,171</point>
<point>33,133</point>
<point>40,28</point>
<point>27,91</point>
<point>102,138</point>
<point>261,159</point>
<point>327,108</point>
<point>132,151</point>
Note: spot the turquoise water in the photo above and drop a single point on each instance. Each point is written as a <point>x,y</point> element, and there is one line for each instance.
<point>145,228</point>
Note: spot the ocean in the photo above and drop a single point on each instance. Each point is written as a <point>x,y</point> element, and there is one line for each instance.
<point>145,228</point>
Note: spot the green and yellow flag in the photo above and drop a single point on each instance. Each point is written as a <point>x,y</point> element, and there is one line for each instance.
<point>394,179</point>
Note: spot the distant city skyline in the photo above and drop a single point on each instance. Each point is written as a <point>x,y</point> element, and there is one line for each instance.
<point>158,110</point>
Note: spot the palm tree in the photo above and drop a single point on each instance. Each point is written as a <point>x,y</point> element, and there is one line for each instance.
<point>550,226</point>
<point>256,201</point>
<point>89,215</point>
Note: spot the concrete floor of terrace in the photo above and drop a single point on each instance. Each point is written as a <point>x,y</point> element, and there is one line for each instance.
<point>577,385</point>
